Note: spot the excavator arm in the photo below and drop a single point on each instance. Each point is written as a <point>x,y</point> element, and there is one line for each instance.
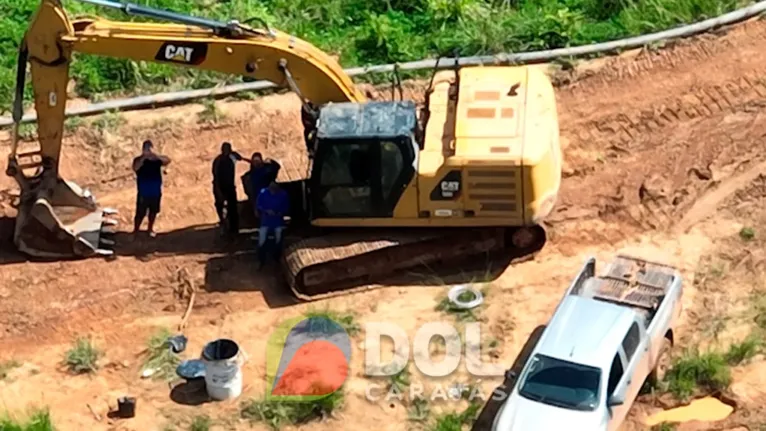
<point>56,218</point>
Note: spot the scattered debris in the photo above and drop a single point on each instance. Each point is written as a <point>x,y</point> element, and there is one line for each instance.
<point>191,369</point>
<point>465,297</point>
<point>185,287</point>
<point>126,407</point>
<point>96,416</point>
<point>177,343</point>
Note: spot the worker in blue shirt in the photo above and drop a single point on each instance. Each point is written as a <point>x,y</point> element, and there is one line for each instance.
<point>262,173</point>
<point>272,205</point>
<point>148,168</point>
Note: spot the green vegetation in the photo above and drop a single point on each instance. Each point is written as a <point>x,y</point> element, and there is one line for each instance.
<point>347,321</point>
<point>367,32</point>
<point>747,233</point>
<point>277,414</point>
<point>6,367</point>
<point>665,426</point>
<point>709,371</point>
<point>201,423</point>
<point>82,357</point>
<point>210,112</point>
<point>696,370</point>
<point>418,410</point>
<point>455,421</point>
<point>40,420</point>
<point>160,357</point>
<point>744,351</point>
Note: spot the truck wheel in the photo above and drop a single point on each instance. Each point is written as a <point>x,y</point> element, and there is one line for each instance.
<point>663,363</point>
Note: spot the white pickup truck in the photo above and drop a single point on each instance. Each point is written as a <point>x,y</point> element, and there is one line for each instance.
<point>607,336</point>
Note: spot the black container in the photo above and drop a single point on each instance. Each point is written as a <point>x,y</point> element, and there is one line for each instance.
<point>220,350</point>
<point>126,407</point>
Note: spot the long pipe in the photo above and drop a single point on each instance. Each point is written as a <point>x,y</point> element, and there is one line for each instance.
<point>177,97</point>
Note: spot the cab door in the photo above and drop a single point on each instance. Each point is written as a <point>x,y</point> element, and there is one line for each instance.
<point>360,178</point>
<point>633,361</point>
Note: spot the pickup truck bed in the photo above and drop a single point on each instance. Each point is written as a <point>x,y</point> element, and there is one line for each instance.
<point>630,281</point>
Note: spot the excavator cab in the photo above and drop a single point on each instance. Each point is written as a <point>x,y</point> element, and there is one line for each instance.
<point>365,157</point>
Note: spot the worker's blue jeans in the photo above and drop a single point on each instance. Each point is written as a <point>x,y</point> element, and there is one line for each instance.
<point>263,236</point>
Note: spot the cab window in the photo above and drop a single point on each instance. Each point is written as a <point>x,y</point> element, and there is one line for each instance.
<point>631,341</point>
<point>360,178</point>
<point>615,374</point>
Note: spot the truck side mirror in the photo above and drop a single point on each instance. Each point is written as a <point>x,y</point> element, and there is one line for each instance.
<point>616,400</point>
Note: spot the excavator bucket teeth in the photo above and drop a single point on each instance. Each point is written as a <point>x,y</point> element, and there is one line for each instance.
<point>63,221</point>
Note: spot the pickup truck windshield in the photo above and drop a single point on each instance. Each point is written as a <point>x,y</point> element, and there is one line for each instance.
<point>561,384</point>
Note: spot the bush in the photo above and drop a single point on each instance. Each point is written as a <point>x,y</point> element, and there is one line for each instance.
<point>83,357</point>
<point>695,370</point>
<point>276,414</point>
<point>39,421</point>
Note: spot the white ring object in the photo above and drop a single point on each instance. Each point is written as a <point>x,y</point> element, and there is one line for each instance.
<point>456,291</point>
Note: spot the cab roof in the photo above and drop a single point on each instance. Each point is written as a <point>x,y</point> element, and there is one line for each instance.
<point>586,331</point>
<point>367,120</point>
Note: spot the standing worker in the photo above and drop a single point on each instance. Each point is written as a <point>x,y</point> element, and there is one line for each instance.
<point>273,205</point>
<point>148,169</point>
<point>261,174</point>
<point>224,188</point>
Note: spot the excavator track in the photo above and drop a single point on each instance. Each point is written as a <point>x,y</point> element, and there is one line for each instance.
<point>337,264</point>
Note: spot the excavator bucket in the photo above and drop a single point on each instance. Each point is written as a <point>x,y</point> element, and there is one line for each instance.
<point>62,221</point>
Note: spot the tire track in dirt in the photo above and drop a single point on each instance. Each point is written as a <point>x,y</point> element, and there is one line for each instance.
<point>666,57</point>
<point>653,139</point>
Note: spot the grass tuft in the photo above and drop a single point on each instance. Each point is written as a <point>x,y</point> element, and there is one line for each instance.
<point>747,234</point>
<point>277,414</point>
<point>743,351</point>
<point>346,320</point>
<point>6,367</point>
<point>83,357</point>
<point>210,112</point>
<point>695,370</point>
<point>160,357</point>
<point>40,420</point>
<point>455,421</point>
<point>200,423</point>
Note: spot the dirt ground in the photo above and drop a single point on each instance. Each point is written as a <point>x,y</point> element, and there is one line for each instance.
<point>663,158</point>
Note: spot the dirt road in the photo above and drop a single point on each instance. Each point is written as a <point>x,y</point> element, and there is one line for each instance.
<point>650,139</point>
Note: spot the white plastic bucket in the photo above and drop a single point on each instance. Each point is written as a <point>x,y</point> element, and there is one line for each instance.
<point>223,369</point>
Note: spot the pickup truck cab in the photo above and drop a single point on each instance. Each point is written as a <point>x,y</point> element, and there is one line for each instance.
<point>607,336</point>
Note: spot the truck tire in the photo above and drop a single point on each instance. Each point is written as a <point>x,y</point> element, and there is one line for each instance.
<point>663,363</point>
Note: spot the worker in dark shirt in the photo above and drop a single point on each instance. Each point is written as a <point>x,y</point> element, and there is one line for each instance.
<point>224,188</point>
<point>261,174</point>
<point>273,205</point>
<point>148,169</point>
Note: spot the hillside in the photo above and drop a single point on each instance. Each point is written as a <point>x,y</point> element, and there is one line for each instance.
<point>368,32</point>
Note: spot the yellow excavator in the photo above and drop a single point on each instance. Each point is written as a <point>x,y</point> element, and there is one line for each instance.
<point>391,186</point>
